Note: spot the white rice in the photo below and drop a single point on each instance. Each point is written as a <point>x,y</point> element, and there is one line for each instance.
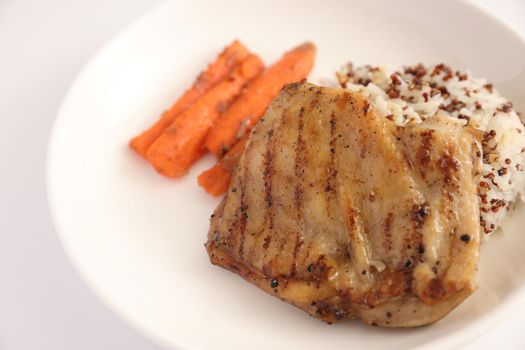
<point>416,93</point>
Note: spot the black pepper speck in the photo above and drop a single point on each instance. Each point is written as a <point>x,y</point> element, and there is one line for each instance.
<point>338,315</point>
<point>465,238</point>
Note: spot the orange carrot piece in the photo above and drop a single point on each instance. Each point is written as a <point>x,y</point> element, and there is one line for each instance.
<point>255,99</point>
<point>216,180</point>
<point>181,143</point>
<point>217,71</point>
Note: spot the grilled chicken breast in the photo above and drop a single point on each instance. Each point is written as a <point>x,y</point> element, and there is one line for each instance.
<point>345,215</point>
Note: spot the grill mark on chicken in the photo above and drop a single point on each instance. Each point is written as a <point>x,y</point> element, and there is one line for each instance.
<point>267,177</point>
<point>219,212</point>
<point>243,210</point>
<point>413,241</point>
<point>448,166</point>
<point>242,181</point>
<point>299,172</point>
<point>422,157</point>
<point>424,151</point>
<point>330,188</point>
<point>230,237</point>
<point>331,171</point>
<point>268,173</point>
<point>300,147</point>
<point>300,162</point>
<point>387,242</point>
<point>419,214</point>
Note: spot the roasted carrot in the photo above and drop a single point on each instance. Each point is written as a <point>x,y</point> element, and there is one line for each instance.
<point>216,180</point>
<point>181,143</point>
<point>217,71</point>
<point>250,106</point>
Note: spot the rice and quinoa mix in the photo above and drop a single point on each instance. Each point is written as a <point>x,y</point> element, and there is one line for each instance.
<point>413,94</point>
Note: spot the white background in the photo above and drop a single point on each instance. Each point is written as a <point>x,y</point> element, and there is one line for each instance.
<point>43,302</point>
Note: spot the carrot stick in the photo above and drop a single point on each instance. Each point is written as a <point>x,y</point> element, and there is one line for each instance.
<point>216,180</point>
<point>255,99</point>
<point>217,71</point>
<point>181,143</point>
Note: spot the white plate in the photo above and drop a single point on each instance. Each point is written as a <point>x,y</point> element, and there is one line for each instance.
<point>137,238</point>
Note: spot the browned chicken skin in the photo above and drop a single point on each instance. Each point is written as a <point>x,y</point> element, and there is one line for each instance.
<point>345,215</point>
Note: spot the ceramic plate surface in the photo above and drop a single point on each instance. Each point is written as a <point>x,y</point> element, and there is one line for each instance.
<point>137,238</point>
